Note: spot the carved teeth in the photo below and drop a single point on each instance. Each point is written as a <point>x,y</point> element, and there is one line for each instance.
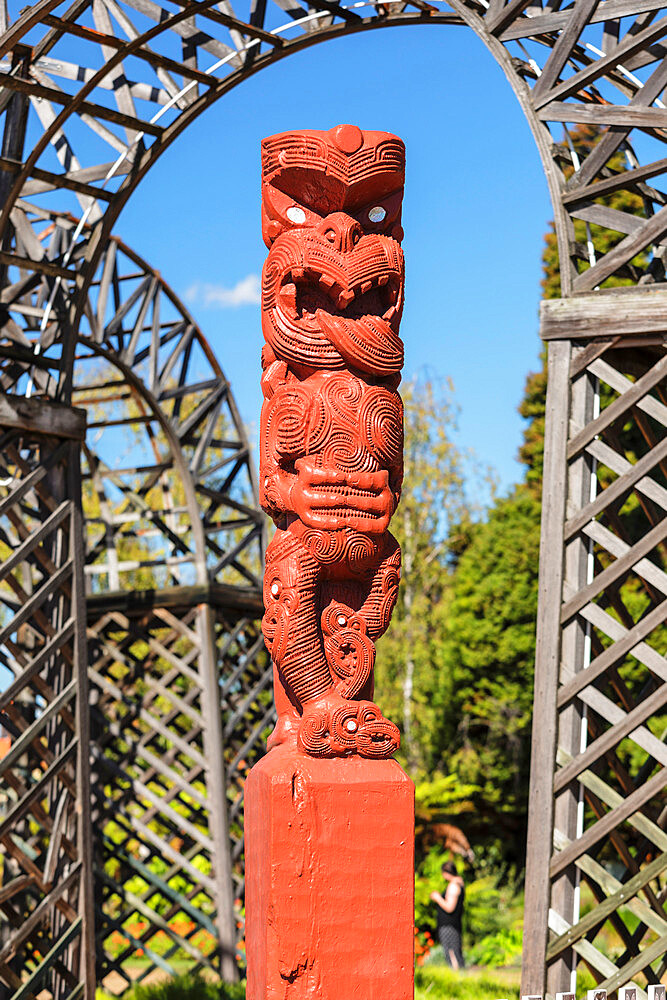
<point>298,273</point>
<point>383,279</point>
<point>344,299</point>
<point>288,295</point>
<point>366,286</point>
<point>326,282</point>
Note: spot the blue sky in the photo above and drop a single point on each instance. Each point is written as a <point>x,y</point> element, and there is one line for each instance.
<point>475,209</point>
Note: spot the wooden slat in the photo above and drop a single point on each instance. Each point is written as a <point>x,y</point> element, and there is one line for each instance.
<point>15,885</point>
<point>37,91</point>
<point>600,912</point>
<point>590,954</point>
<point>579,18</point>
<point>621,384</point>
<point>497,23</point>
<point>253,31</point>
<point>610,821</point>
<point>111,41</point>
<point>619,181</point>
<point>48,589</point>
<point>613,138</point>
<point>610,218</point>
<point>10,948</point>
<point>554,21</point>
<point>596,873</point>
<point>621,486</point>
<point>614,653</point>
<point>42,416</point>
<point>151,720</point>
<point>19,809</point>
<point>613,736</point>
<point>36,978</point>
<point>604,114</point>
<point>28,544</point>
<point>647,486</point>
<point>605,314</point>
<point>639,389</point>
<point>609,710</point>
<point>21,745</point>
<point>41,266</point>
<point>633,42</point>
<point>653,951</point>
<point>651,231</point>
<point>547,659</point>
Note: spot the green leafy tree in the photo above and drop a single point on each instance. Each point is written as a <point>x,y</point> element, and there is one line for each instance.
<point>490,646</point>
<point>411,686</point>
<point>488,653</point>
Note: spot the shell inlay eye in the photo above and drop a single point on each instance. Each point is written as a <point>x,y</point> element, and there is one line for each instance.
<point>377,213</point>
<point>296,214</point>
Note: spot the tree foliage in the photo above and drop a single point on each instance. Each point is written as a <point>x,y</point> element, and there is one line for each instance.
<point>455,669</point>
<point>473,715</point>
<point>413,688</point>
<point>489,652</point>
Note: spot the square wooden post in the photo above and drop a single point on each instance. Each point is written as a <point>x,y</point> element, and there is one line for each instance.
<point>330,878</point>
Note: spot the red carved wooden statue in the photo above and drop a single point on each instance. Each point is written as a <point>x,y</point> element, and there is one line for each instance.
<point>331,467</point>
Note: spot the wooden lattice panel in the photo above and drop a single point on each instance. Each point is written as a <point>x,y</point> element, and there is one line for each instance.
<point>601,657</point>
<point>160,871</point>
<point>45,890</point>
<point>159,868</point>
<point>246,685</point>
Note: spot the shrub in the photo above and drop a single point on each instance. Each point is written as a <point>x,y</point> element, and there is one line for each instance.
<point>502,948</point>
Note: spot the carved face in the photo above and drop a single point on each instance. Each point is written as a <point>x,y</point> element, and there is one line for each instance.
<point>332,287</point>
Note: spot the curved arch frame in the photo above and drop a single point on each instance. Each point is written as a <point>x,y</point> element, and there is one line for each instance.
<point>495,24</point>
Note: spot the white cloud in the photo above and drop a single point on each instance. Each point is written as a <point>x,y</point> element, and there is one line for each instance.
<point>246,292</point>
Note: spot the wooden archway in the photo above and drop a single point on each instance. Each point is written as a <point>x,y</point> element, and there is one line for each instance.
<point>597,807</point>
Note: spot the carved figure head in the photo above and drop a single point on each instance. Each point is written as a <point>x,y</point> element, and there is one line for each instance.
<point>332,285</point>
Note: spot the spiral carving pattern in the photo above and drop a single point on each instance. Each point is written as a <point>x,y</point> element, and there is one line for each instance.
<point>331,450</point>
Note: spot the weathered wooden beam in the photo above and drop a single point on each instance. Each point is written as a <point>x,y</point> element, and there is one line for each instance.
<point>245,600</point>
<point>547,661</point>
<point>36,90</point>
<point>623,179</point>
<point>42,416</point>
<point>633,312</point>
<point>41,266</point>
<point>154,58</point>
<point>51,180</point>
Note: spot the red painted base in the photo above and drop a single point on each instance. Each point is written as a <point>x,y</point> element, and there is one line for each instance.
<point>329,879</point>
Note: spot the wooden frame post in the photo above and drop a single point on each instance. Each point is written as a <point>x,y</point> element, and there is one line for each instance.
<point>547,661</point>
<point>599,773</point>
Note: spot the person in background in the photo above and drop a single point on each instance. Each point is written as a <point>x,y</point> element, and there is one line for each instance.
<point>450,913</point>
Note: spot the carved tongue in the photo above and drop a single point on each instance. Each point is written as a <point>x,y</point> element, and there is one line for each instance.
<point>368,344</point>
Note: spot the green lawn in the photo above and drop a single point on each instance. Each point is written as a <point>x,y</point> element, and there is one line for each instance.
<point>439,981</point>
<point>432,982</point>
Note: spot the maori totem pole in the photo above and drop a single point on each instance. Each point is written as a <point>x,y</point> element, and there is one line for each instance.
<point>329,815</point>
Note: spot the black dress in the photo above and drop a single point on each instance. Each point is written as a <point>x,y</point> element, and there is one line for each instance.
<point>449,931</point>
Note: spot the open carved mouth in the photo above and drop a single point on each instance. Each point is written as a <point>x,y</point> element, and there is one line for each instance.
<point>342,500</point>
<point>304,293</point>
